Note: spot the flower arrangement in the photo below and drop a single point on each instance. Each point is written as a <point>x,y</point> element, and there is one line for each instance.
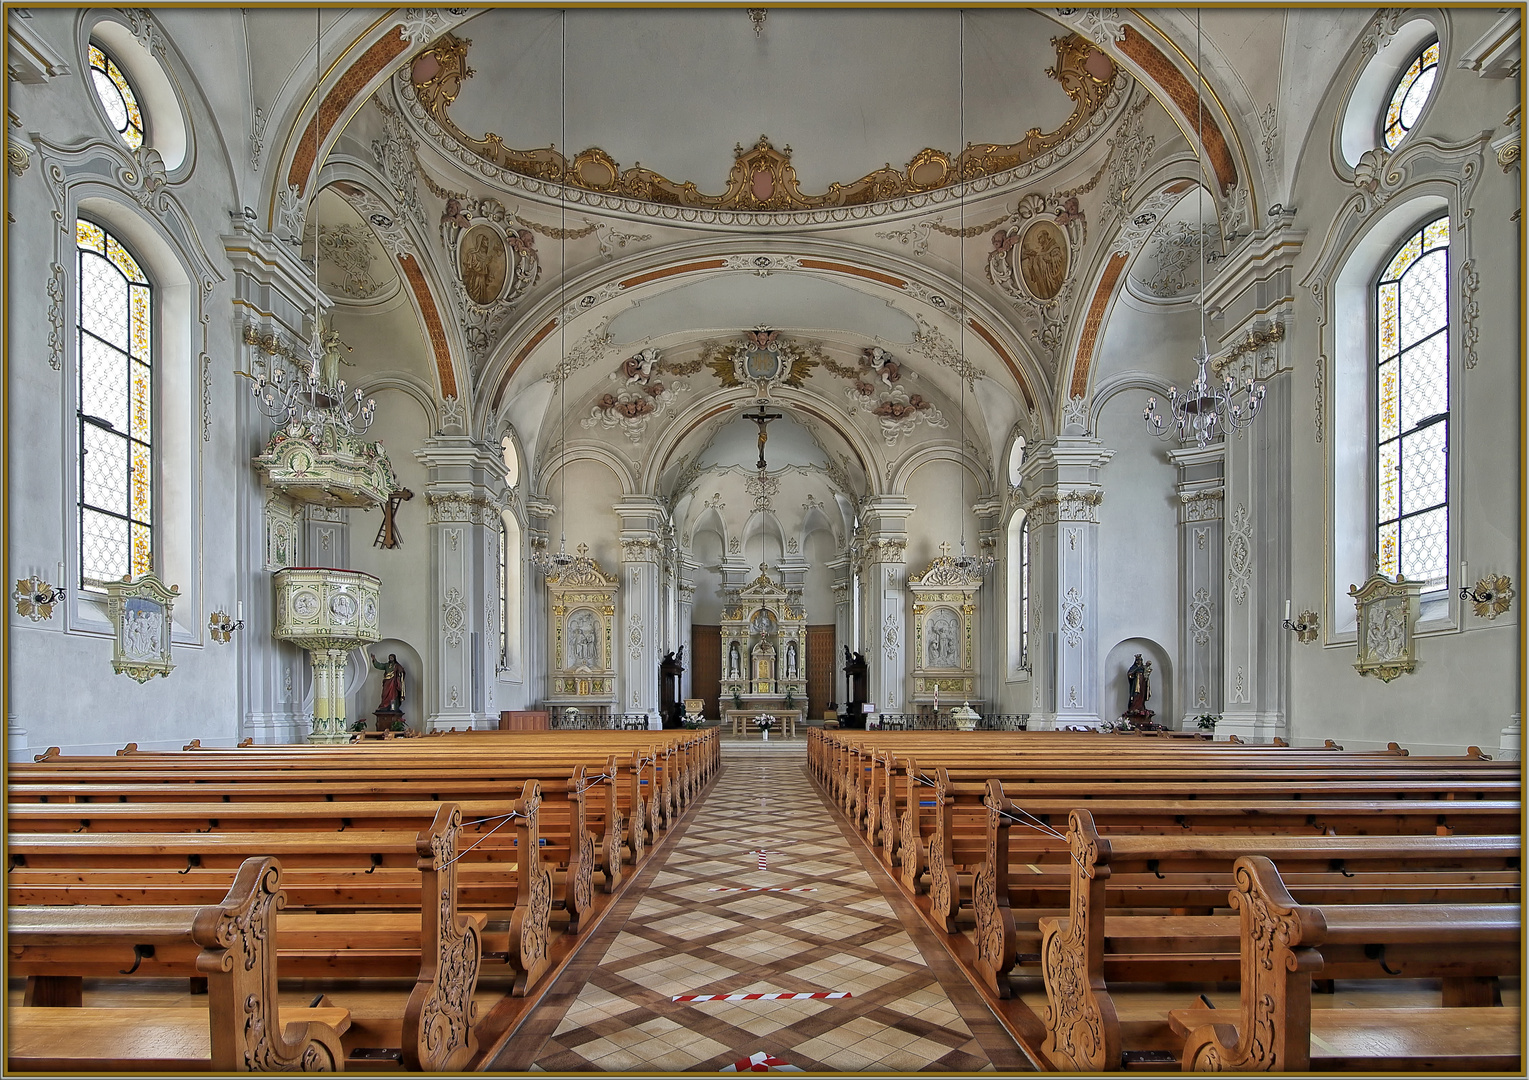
<point>766,723</point>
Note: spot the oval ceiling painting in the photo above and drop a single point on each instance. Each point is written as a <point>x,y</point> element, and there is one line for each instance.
<point>1043,259</point>
<point>484,262</point>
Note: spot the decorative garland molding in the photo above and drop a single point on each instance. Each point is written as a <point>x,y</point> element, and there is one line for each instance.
<point>762,186</point>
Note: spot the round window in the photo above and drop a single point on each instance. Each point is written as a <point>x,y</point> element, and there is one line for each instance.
<point>117,97</point>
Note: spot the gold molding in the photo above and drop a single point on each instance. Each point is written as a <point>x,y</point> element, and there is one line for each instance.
<point>763,178</point>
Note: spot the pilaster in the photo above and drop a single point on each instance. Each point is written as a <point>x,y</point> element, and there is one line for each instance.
<point>884,598</point>
<point>1064,570</point>
<point>462,492</point>
<point>1202,619</point>
<point>641,633</point>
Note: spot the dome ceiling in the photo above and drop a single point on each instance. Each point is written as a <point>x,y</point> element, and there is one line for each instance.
<point>828,108</point>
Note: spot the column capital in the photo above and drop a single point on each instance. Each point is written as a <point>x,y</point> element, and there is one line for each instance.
<point>458,457</point>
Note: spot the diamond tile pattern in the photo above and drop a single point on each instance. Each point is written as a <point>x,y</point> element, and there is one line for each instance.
<point>683,939</point>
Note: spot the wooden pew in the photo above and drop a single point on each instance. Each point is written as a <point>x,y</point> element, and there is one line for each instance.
<point>1283,947</point>
<point>1089,948</point>
<point>375,904</point>
<point>240,1030</point>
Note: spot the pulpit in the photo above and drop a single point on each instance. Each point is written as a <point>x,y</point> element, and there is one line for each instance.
<point>328,612</point>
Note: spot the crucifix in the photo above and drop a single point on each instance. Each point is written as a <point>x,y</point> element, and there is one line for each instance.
<point>761,418</point>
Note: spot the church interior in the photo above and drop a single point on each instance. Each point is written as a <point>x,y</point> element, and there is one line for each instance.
<point>813,505</point>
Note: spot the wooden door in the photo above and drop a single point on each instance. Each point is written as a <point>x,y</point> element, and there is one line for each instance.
<point>820,668</point>
<point>706,667</point>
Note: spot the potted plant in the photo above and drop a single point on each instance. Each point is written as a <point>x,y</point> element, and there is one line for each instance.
<point>1207,721</point>
<point>737,699</point>
<point>765,724</point>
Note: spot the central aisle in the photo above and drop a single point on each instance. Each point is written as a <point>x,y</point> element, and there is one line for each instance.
<point>833,931</point>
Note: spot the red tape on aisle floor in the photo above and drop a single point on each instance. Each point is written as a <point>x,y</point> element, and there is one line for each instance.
<point>760,1062</point>
<point>762,997</point>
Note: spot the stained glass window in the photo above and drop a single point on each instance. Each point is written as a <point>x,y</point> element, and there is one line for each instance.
<point>117,97</point>
<point>1024,595</point>
<point>504,598</point>
<point>1412,409</point>
<point>116,409</point>
<point>1410,95</point>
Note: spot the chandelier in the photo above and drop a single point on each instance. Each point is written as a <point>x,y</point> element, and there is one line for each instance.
<point>1205,409</point>
<point>315,400</point>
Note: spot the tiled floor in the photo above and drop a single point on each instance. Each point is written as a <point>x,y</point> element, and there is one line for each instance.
<point>909,1008</point>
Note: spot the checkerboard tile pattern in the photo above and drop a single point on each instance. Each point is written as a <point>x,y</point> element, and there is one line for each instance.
<point>682,938</point>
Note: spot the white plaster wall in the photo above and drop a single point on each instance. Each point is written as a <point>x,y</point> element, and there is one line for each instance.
<point>935,490</point>
<point>1467,680</point>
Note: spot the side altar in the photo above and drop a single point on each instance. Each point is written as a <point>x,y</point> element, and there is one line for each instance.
<point>764,647</point>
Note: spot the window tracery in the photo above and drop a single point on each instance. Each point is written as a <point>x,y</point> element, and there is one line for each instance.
<point>1410,95</point>
<point>1412,409</point>
<point>117,97</point>
<point>115,409</point>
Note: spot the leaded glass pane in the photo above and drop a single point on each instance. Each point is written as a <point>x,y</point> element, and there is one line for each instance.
<point>1425,299</point>
<point>103,546</point>
<point>103,301</point>
<point>1423,468</point>
<point>1425,382</point>
<point>141,484</point>
<point>1425,547</point>
<point>1403,259</point>
<point>1388,479</point>
<point>124,262</point>
<point>117,97</point>
<point>138,296</point>
<point>89,236</point>
<point>142,424</point>
<point>1390,336</point>
<point>1410,95</point>
<point>105,470</point>
<point>103,382</point>
<point>1386,553</point>
<point>116,409</point>
<point>1412,409</point>
<point>1387,399</point>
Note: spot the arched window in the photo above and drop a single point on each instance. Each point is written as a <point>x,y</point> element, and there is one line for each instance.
<point>1019,594</point>
<point>117,97</point>
<point>116,405</point>
<point>504,614</point>
<point>1409,95</point>
<point>1411,419</point>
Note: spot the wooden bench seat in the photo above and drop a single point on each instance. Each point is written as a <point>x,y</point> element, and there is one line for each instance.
<point>1283,945</point>
<point>425,938</point>
<point>1081,1025</point>
<point>139,1039</point>
<point>240,1030</point>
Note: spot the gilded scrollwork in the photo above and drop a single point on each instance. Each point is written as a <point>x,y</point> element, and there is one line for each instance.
<point>762,178</point>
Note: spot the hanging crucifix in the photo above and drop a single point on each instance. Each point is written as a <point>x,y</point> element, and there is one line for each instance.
<point>762,418</point>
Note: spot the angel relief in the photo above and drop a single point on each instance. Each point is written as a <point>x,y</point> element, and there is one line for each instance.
<point>878,387</point>
<point>642,394</point>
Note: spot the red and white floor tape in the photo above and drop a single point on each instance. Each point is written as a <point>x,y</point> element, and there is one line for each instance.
<point>760,1062</point>
<point>763,997</point>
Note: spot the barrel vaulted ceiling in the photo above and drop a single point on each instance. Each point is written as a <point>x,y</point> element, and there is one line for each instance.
<point>590,216</point>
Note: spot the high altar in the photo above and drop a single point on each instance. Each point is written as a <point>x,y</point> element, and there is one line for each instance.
<point>764,648</point>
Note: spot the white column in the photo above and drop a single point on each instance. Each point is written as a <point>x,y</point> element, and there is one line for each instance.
<point>1202,621</point>
<point>641,610</point>
<point>1064,567</point>
<point>463,491</point>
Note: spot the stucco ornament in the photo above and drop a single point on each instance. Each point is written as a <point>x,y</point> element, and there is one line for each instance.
<point>1388,613</point>
<point>139,610</point>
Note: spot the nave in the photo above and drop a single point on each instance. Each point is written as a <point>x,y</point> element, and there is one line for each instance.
<point>837,925</point>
